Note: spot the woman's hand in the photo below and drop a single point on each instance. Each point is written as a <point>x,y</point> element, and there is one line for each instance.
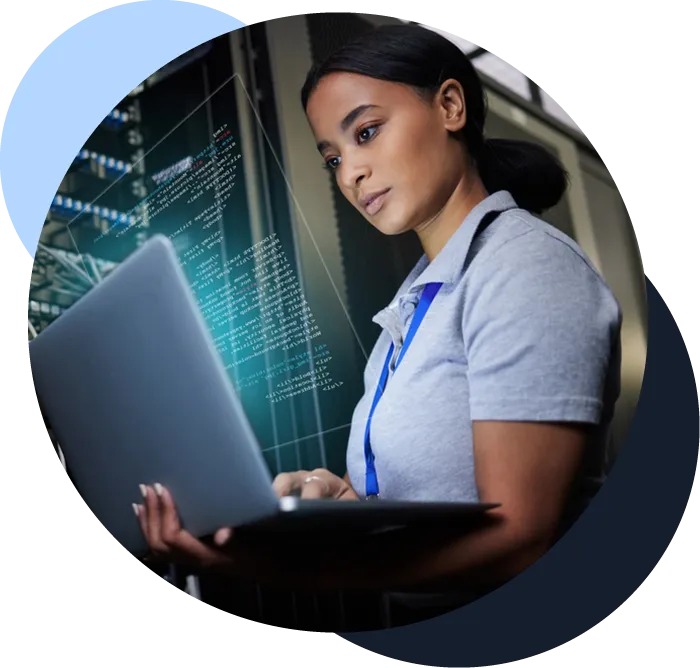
<point>168,541</point>
<point>316,484</point>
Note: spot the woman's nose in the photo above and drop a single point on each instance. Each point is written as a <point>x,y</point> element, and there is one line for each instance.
<point>353,173</point>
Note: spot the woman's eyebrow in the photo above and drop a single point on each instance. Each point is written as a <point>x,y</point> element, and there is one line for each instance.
<point>348,121</point>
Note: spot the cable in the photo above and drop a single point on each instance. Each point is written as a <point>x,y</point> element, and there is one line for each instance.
<point>68,264</point>
<point>31,329</point>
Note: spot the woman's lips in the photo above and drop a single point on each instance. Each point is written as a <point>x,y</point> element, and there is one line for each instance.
<point>376,204</point>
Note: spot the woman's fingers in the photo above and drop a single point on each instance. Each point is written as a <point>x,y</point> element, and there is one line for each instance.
<point>286,483</point>
<point>153,520</point>
<point>169,521</point>
<point>140,511</point>
<point>315,487</point>
<point>316,484</point>
<point>161,525</point>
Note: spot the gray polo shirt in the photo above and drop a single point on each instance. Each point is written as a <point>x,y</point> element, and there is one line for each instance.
<point>524,328</point>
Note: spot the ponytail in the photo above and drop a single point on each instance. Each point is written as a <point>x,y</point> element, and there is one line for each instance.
<point>531,174</point>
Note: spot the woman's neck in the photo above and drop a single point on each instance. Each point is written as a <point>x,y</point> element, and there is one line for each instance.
<point>436,231</point>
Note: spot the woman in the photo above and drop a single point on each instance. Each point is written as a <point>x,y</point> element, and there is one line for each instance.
<point>504,338</point>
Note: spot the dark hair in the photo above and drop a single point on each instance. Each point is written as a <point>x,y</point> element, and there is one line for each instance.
<point>423,59</point>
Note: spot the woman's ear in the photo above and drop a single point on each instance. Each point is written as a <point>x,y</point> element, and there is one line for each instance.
<point>452,105</point>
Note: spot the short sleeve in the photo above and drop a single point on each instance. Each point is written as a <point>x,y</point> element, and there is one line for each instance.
<point>540,326</point>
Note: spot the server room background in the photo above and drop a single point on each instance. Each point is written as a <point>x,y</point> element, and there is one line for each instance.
<point>214,151</point>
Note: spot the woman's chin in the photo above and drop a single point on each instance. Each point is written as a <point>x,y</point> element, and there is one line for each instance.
<point>388,226</point>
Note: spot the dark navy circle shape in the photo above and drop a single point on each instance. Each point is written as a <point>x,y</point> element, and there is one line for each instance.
<point>605,556</point>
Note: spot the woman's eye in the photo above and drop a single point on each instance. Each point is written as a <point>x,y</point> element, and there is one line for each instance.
<point>366,134</point>
<point>363,136</point>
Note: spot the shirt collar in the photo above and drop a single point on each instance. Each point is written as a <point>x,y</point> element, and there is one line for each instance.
<point>447,266</point>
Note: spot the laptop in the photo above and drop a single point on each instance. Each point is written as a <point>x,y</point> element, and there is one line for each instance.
<point>133,388</point>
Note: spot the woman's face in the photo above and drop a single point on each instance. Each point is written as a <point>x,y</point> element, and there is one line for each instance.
<point>390,149</point>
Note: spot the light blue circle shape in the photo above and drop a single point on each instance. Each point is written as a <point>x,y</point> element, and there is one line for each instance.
<point>74,84</point>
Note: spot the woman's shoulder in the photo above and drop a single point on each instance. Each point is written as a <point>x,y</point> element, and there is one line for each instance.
<point>522,241</point>
<point>523,257</point>
<point>519,231</point>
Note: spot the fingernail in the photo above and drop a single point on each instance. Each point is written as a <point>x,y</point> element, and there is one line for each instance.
<point>222,536</point>
<point>159,489</point>
<point>143,490</point>
<point>135,506</point>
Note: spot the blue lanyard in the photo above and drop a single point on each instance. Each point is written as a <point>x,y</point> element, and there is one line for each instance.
<point>429,292</point>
